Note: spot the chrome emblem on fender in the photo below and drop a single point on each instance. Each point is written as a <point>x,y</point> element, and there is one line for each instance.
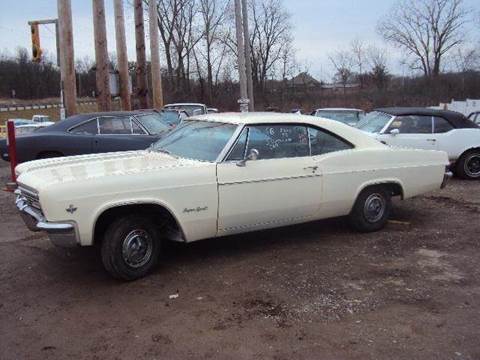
<point>71,209</point>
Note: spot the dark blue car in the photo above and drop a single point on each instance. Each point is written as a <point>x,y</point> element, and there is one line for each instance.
<point>92,133</point>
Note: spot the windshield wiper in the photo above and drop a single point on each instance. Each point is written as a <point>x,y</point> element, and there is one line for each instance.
<point>163,151</point>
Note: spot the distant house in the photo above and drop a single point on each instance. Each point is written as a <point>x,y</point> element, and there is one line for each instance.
<point>304,81</point>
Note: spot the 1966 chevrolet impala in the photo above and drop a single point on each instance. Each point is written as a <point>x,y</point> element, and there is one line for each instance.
<point>220,174</point>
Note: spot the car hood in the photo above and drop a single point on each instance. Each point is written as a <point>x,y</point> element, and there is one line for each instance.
<point>48,172</point>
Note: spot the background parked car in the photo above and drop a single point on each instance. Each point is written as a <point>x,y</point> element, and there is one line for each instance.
<point>42,119</point>
<point>475,117</point>
<point>190,108</point>
<point>347,116</point>
<point>173,117</point>
<point>429,129</point>
<point>91,133</point>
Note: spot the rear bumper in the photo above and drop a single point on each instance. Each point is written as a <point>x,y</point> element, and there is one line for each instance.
<point>62,234</point>
<point>448,175</point>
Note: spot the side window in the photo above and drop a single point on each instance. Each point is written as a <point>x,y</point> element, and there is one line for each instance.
<point>442,125</point>
<point>322,142</point>
<point>88,128</point>
<point>111,125</point>
<point>238,151</point>
<point>412,124</point>
<point>136,129</point>
<point>278,141</point>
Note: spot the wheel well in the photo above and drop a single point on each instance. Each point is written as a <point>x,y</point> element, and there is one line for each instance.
<point>468,150</point>
<point>160,214</point>
<point>394,188</point>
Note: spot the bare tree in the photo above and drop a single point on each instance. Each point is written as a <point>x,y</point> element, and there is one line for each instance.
<point>213,14</point>
<point>426,29</point>
<point>343,64</point>
<point>359,57</point>
<point>270,37</point>
<point>377,60</point>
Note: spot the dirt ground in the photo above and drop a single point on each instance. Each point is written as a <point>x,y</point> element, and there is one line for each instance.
<point>314,291</point>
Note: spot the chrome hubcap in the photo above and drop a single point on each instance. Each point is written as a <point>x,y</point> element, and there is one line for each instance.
<point>137,248</point>
<point>472,165</point>
<point>374,208</point>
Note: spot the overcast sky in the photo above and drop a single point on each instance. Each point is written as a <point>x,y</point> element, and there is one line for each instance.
<point>319,27</point>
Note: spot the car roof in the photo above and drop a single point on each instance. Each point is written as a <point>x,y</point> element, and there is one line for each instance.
<point>186,104</point>
<point>77,119</point>
<point>457,119</point>
<point>349,133</point>
<point>339,109</point>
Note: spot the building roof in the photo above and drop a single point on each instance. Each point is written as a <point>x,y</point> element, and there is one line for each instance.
<point>456,119</point>
<point>303,79</point>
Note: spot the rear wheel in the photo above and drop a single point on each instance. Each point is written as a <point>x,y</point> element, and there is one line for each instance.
<point>371,209</point>
<point>131,247</point>
<point>468,166</point>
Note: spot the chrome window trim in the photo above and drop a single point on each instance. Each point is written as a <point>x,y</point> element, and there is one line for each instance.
<point>73,127</point>
<point>135,119</point>
<point>230,143</point>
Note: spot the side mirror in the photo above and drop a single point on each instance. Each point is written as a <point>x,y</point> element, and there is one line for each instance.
<point>394,132</point>
<point>253,155</point>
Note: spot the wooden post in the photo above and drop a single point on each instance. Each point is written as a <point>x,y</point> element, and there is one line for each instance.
<point>122,58</point>
<point>248,60</point>
<point>141,57</point>
<point>243,101</point>
<point>157,93</point>
<point>67,59</point>
<point>104,100</point>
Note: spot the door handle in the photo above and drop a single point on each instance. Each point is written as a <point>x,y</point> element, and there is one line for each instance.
<point>313,168</point>
<point>432,140</point>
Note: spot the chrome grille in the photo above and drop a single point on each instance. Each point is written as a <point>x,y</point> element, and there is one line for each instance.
<point>30,196</point>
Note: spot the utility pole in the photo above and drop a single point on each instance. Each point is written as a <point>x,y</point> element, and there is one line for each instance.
<point>141,57</point>
<point>68,90</point>
<point>104,100</point>
<point>243,101</point>
<point>248,60</point>
<point>157,93</point>
<point>122,58</point>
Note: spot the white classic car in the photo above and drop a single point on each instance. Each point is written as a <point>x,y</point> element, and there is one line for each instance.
<point>429,129</point>
<point>220,174</point>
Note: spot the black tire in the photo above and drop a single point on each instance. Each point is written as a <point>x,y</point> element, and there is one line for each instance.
<point>49,155</point>
<point>118,247</point>
<point>468,165</point>
<point>371,209</point>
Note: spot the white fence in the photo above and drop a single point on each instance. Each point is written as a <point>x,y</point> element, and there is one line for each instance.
<point>465,107</point>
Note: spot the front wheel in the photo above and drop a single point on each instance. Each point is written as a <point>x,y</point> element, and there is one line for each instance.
<point>131,247</point>
<point>468,166</point>
<point>371,209</point>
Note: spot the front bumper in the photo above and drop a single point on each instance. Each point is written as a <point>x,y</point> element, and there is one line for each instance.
<point>62,234</point>
<point>448,175</point>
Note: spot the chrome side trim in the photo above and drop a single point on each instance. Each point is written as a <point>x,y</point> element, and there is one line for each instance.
<point>270,179</point>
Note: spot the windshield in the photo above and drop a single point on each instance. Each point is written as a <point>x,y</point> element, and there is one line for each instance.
<point>374,122</point>
<point>199,140</point>
<point>153,123</point>
<point>346,117</point>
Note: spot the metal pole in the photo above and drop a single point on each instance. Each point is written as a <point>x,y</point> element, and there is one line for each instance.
<point>67,58</point>
<point>248,60</point>
<point>104,100</point>
<point>243,101</point>
<point>122,57</point>
<point>141,57</point>
<point>12,148</point>
<point>157,93</point>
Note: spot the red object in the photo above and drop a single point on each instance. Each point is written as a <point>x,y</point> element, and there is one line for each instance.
<point>12,148</point>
